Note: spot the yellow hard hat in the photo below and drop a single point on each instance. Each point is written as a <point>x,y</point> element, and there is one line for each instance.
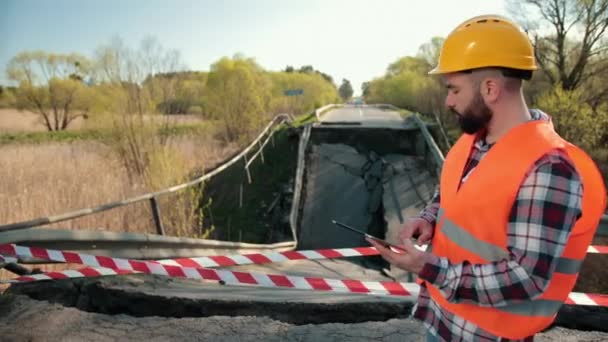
<point>486,41</point>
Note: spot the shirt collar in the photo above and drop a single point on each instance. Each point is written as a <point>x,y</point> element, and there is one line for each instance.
<point>483,146</point>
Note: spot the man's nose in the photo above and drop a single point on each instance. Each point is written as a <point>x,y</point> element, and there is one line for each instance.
<point>449,102</point>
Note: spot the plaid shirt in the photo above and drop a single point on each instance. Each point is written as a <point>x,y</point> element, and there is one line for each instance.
<point>547,205</point>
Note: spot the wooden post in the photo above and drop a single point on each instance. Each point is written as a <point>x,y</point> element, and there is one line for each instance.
<point>156,214</point>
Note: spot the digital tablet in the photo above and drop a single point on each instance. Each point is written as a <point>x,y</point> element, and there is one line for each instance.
<point>380,241</point>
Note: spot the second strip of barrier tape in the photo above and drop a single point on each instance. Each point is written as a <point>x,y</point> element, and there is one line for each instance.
<point>272,257</point>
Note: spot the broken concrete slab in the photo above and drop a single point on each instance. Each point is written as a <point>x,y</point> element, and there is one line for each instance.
<point>334,190</point>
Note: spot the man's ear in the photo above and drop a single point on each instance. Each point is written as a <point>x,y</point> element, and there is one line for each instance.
<point>490,90</point>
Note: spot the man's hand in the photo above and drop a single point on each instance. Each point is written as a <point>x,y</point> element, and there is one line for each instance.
<point>411,260</point>
<point>416,227</point>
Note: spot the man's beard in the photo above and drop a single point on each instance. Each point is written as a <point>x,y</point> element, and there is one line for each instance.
<point>475,117</point>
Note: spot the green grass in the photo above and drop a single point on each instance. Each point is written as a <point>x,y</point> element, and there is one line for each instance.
<point>57,136</point>
<point>90,134</point>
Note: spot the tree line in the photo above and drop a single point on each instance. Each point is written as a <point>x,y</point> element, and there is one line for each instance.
<point>151,79</point>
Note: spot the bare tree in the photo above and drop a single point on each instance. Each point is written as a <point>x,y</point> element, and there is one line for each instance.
<point>569,37</point>
<point>133,75</point>
<point>161,68</point>
<point>142,72</point>
<point>430,50</point>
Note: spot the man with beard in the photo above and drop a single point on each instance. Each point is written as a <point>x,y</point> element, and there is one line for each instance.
<point>517,205</point>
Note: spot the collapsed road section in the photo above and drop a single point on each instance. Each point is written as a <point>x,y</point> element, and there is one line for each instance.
<point>369,176</point>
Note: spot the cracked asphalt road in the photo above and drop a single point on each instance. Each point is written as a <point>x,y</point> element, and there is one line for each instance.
<point>25,319</point>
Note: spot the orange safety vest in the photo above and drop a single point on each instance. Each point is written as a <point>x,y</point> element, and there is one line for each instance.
<point>472,222</point>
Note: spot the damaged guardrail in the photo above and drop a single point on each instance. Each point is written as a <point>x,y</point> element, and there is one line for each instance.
<point>130,245</point>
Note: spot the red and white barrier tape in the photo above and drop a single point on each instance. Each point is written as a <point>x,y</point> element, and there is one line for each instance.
<point>71,274</point>
<point>598,249</point>
<point>184,269</point>
<point>7,259</point>
<point>269,257</point>
<point>594,299</point>
<point>272,257</point>
<point>576,298</point>
<point>209,261</point>
<point>380,288</point>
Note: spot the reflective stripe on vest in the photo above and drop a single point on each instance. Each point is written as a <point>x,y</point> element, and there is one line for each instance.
<point>490,252</point>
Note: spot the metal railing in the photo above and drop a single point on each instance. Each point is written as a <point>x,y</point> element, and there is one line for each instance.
<point>295,204</point>
<point>434,149</point>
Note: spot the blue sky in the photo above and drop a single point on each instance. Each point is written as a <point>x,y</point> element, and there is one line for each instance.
<point>352,39</point>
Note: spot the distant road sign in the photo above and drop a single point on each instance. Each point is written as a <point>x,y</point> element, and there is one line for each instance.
<point>293,92</point>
